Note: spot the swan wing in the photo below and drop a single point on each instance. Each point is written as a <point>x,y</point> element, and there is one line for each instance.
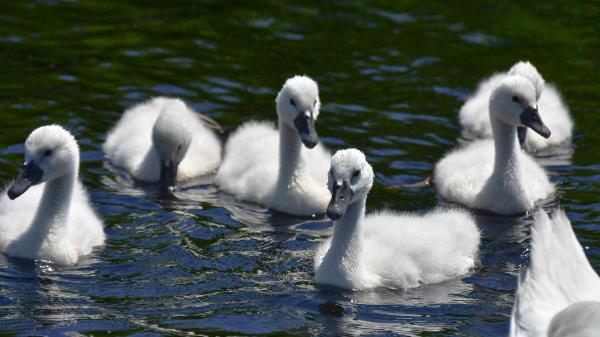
<point>558,275</point>
<point>250,166</point>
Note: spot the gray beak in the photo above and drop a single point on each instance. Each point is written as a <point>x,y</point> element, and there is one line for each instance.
<point>30,175</point>
<point>521,134</point>
<point>341,195</point>
<point>305,124</point>
<point>168,175</point>
<point>531,118</point>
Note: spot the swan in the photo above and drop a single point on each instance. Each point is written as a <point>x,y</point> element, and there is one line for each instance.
<point>54,220</point>
<point>388,249</point>
<point>271,167</point>
<point>163,140</point>
<point>496,175</point>
<point>474,116</point>
<point>559,293</point>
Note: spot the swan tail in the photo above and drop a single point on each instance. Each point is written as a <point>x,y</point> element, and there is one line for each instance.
<point>558,275</point>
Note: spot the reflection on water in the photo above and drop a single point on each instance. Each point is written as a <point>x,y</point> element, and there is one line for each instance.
<point>196,261</point>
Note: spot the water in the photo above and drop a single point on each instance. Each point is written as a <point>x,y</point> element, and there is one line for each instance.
<point>392,77</point>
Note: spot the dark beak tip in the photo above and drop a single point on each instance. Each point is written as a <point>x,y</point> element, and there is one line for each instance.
<point>333,215</point>
<point>12,195</point>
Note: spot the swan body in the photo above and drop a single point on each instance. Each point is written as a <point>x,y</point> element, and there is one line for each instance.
<point>282,169</point>
<point>387,249</point>
<point>163,140</point>
<point>50,217</point>
<point>495,175</point>
<point>559,293</point>
<point>474,116</point>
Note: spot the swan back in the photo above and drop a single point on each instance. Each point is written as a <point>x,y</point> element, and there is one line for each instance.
<point>559,275</point>
<point>530,72</point>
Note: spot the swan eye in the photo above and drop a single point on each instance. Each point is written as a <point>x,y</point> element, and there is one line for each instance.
<point>47,153</point>
<point>292,102</point>
<point>355,174</point>
<point>178,148</point>
<point>315,103</point>
<point>516,99</point>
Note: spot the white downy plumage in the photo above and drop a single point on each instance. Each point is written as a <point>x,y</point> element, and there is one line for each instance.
<point>51,217</point>
<point>474,114</point>
<point>271,166</point>
<point>158,133</point>
<point>497,175</point>
<point>559,293</point>
<point>387,249</point>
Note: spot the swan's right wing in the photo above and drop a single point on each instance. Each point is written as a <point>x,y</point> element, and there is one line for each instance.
<point>130,139</point>
<point>250,166</point>
<point>461,174</point>
<point>558,275</point>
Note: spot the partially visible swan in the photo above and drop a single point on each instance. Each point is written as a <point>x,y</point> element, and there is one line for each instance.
<point>163,140</point>
<point>474,115</point>
<point>272,167</point>
<point>496,175</point>
<point>54,219</point>
<point>388,249</point>
<point>559,293</point>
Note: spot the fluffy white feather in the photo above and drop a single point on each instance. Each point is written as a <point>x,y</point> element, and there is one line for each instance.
<point>496,175</point>
<point>272,167</point>
<point>559,288</point>
<point>387,249</point>
<point>153,131</point>
<point>52,220</point>
<point>474,116</point>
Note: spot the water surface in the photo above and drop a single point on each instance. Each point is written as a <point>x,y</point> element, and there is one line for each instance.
<point>392,77</point>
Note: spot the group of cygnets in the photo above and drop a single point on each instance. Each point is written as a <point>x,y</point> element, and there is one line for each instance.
<point>45,212</point>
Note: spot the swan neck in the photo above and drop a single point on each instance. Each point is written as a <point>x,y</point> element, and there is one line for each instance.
<point>290,148</point>
<point>52,214</point>
<point>506,146</point>
<point>345,242</point>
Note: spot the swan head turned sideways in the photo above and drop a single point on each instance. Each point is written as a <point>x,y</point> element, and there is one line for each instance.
<point>530,72</point>
<point>298,107</point>
<point>514,103</point>
<point>50,152</point>
<point>350,180</point>
<point>171,140</point>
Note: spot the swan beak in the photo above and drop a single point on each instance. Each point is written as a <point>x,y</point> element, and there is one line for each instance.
<point>341,196</point>
<point>305,124</point>
<point>531,118</point>
<point>168,175</point>
<point>30,175</point>
<point>521,134</point>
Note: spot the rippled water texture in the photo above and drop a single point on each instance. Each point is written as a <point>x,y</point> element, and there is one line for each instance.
<point>392,77</point>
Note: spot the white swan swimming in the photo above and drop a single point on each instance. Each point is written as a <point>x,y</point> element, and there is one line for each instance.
<point>163,140</point>
<point>496,175</point>
<point>388,249</point>
<point>45,213</point>
<point>474,116</point>
<point>559,293</point>
<point>272,167</point>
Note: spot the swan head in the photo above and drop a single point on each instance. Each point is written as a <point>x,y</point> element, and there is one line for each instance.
<point>50,152</point>
<point>350,180</point>
<point>513,102</point>
<point>298,107</point>
<point>530,72</point>
<point>171,139</point>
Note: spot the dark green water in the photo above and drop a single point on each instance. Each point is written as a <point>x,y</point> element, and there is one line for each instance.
<point>392,77</point>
